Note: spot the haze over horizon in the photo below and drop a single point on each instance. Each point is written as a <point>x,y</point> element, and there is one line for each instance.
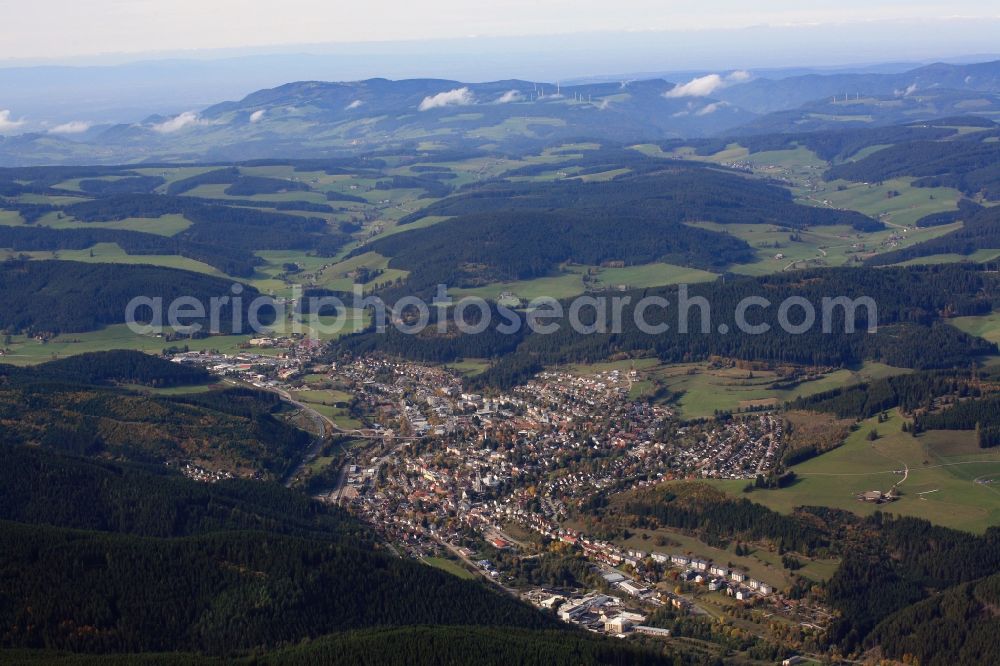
<point>61,30</point>
<point>125,62</point>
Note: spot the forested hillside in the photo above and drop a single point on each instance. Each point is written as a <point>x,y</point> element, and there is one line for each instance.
<point>511,230</point>
<point>911,329</point>
<point>109,558</point>
<point>908,392</point>
<point>838,145</point>
<point>68,297</point>
<point>410,646</point>
<point>224,233</point>
<point>120,366</point>
<point>230,431</point>
<point>971,166</point>
<point>959,626</point>
<point>869,587</point>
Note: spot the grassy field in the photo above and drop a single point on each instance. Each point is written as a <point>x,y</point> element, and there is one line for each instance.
<point>603,176</point>
<point>652,275</point>
<point>706,389</point>
<point>219,192</point>
<point>518,126</point>
<point>176,390</point>
<point>985,326</point>
<point>896,202</point>
<point>450,566</point>
<point>795,158</point>
<point>266,279</point>
<point>979,256</point>
<point>570,281</point>
<point>55,200</point>
<point>563,285</point>
<point>325,402</point>
<point>27,351</point>
<point>818,246</point>
<point>338,276</point>
<point>941,473</point>
<point>166,225</point>
<point>423,222</point>
<point>331,327</point>
<point>322,396</point>
<point>881,200</point>
<point>470,367</point>
<point>111,253</point>
<point>173,174</point>
<point>320,463</point>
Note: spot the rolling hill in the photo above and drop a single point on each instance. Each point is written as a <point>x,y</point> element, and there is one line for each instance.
<point>319,118</point>
<point>108,558</point>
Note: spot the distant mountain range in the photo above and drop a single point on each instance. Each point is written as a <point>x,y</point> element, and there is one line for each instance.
<point>763,95</point>
<point>315,119</point>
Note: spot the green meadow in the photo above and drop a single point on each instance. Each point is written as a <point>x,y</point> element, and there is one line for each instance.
<point>111,253</point>
<point>895,201</point>
<point>570,281</point>
<point>781,249</point>
<point>947,477</point>
<point>449,566</point>
<point>984,326</point>
<point>28,351</point>
<point>979,256</point>
<point>705,390</point>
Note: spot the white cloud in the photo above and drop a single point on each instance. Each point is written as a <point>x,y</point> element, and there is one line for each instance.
<point>510,96</point>
<point>179,122</point>
<point>711,108</point>
<point>704,86</point>
<point>72,127</point>
<point>456,97</point>
<point>6,124</point>
<point>353,105</point>
<point>700,87</point>
<point>256,116</point>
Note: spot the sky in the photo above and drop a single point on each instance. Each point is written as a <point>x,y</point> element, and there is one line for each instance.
<point>66,65</point>
<point>61,29</point>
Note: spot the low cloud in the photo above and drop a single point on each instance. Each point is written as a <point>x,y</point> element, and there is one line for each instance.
<point>257,115</point>
<point>353,105</point>
<point>179,122</point>
<point>510,96</point>
<point>72,127</point>
<point>704,86</point>
<point>6,124</point>
<point>709,109</point>
<point>456,97</point>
